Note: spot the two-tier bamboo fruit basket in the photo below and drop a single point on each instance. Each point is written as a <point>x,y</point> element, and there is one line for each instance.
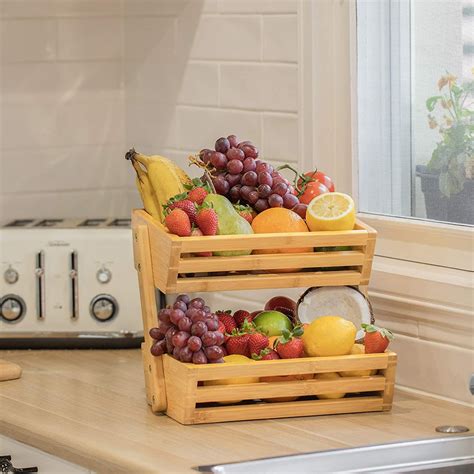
<point>165,262</point>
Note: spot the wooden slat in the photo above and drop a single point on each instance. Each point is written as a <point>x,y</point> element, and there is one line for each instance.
<point>305,365</point>
<point>271,261</point>
<point>256,282</point>
<point>287,409</point>
<point>274,240</point>
<point>251,391</point>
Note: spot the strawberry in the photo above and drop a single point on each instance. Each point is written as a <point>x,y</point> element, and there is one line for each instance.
<point>197,195</point>
<point>241,315</point>
<point>196,232</point>
<point>257,342</point>
<point>221,328</point>
<point>266,354</point>
<point>246,212</point>
<point>178,223</point>
<point>376,339</point>
<point>227,320</point>
<point>238,343</point>
<point>289,345</point>
<point>180,201</point>
<point>206,219</point>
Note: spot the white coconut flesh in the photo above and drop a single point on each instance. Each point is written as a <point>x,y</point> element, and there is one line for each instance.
<point>342,301</point>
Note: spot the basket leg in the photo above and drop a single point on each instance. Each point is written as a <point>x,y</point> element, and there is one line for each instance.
<point>389,389</point>
<point>153,366</point>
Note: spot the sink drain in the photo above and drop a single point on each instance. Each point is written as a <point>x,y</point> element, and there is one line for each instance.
<point>452,429</point>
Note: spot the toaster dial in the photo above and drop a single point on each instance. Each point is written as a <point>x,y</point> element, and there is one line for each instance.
<point>103,307</point>
<point>12,308</point>
<point>11,275</point>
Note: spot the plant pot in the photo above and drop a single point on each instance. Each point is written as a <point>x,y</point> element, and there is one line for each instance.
<point>458,208</point>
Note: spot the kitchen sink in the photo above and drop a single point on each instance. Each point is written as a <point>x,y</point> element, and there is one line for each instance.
<point>450,455</point>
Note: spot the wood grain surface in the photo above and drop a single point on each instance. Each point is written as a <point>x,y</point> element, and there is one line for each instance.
<point>89,407</point>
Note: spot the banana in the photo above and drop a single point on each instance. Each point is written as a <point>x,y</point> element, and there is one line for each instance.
<point>147,193</point>
<point>165,179</point>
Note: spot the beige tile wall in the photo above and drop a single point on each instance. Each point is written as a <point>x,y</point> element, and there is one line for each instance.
<point>215,68</point>
<point>62,109</point>
<point>83,80</point>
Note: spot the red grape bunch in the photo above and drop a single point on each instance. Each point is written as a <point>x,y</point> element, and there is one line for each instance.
<point>239,175</point>
<point>189,332</point>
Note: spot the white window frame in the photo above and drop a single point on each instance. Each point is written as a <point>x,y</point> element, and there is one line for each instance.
<point>437,252</point>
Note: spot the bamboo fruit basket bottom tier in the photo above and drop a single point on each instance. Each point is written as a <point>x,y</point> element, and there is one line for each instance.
<point>189,401</point>
<point>168,262</point>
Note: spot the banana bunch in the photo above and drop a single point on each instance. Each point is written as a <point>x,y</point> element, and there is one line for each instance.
<point>158,179</point>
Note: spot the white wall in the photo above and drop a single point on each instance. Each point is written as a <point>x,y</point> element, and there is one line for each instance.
<point>82,81</point>
<point>62,109</point>
<point>202,69</point>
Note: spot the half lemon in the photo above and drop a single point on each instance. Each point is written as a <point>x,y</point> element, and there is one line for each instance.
<point>331,211</point>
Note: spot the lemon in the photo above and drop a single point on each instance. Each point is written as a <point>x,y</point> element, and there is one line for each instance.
<point>358,349</point>
<point>233,359</point>
<point>329,336</point>
<point>331,211</point>
<point>329,376</point>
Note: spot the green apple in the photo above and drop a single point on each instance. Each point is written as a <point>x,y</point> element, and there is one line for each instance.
<point>272,323</point>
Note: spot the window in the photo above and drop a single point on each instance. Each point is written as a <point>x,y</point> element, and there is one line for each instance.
<point>415,102</point>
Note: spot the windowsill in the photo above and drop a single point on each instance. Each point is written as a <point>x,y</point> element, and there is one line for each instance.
<point>427,242</point>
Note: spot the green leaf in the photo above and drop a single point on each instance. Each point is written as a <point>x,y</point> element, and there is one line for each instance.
<point>438,158</point>
<point>431,102</point>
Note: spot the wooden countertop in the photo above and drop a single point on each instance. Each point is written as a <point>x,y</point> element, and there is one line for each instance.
<point>89,407</point>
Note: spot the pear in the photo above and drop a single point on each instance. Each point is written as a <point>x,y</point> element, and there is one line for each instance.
<point>229,222</point>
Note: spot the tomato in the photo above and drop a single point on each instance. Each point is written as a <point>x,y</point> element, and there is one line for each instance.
<point>321,177</point>
<point>313,189</point>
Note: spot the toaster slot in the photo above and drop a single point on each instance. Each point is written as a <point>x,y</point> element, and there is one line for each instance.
<point>74,286</point>
<point>40,286</point>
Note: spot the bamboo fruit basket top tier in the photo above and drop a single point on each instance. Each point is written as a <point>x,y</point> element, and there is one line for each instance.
<point>176,269</point>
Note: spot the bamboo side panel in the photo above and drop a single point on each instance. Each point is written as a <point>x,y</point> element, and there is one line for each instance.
<point>192,402</point>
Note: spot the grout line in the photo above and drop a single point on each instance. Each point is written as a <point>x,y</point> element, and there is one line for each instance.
<point>288,113</point>
<point>243,62</point>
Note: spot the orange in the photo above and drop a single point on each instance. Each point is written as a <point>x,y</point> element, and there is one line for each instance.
<point>285,378</point>
<point>278,220</point>
<point>271,341</point>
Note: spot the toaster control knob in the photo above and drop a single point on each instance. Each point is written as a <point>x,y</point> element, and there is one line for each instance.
<point>12,308</point>
<point>103,307</point>
<point>11,275</point>
<point>104,275</point>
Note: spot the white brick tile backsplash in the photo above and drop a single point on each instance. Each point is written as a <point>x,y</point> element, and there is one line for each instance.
<point>74,203</point>
<point>150,39</point>
<point>167,7</point>
<point>90,38</point>
<point>200,84</point>
<point>28,125</point>
<point>199,127</point>
<point>226,37</point>
<point>280,38</point>
<point>280,137</point>
<point>258,6</point>
<point>259,86</point>
<point>80,167</point>
<point>29,79</point>
<point>154,126</point>
<point>98,122</point>
<point>28,40</point>
<point>49,8</point>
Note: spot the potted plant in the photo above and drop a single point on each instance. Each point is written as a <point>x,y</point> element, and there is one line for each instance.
<point>447,181</point>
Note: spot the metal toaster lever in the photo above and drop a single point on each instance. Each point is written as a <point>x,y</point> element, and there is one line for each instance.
<point>40,286</point>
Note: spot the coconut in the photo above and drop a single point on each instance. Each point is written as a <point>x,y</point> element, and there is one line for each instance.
<point>345,301</point>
